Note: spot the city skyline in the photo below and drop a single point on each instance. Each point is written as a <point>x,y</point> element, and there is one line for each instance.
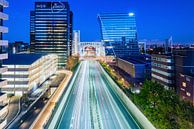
<point>160,19</point>
<point>113,78</point>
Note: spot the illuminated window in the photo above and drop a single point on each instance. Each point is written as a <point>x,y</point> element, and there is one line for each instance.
<point>182,89</point>
<point>184,84</point>
<point>188,94</point>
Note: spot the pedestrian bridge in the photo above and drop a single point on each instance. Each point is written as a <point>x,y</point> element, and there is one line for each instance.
<point>91,49</point>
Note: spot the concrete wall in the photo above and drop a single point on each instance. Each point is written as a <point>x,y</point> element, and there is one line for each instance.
<point>134,70</point>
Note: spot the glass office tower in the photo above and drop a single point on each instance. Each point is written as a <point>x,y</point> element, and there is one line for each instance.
<point>119,33</point>
<point>51,29</point>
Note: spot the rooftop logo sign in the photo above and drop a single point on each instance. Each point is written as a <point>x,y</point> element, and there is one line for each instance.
<point>58,6</point>
<point>50,5</point>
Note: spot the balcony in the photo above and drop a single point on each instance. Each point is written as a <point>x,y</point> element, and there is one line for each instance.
<point>3,70</point>
<point>3,83</point>
<point>3,43</point>
<point>3,56</point>
<point>3,16</point>
<point>3,29</point>
<point>4,3</point>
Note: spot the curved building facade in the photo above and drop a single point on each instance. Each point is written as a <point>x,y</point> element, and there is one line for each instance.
<point>119,33</point>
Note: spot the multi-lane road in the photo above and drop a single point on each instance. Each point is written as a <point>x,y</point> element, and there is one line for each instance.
<point>93,104</point>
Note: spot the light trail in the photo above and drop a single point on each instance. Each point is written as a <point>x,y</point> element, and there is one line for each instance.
<point>92,104</point>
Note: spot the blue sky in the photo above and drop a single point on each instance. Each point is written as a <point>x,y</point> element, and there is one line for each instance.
<point>156,19</point>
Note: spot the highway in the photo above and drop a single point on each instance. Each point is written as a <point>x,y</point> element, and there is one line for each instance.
<point>93,104</point>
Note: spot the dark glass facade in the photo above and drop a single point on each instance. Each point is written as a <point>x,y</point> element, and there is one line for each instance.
<point>119,33</point>
<point>51,29</point>
<point>32,31</point>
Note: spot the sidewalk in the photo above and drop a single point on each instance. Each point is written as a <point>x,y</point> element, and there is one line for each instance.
<point>47,111</point>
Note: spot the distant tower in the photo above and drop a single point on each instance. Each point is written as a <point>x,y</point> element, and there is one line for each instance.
<point>76,42</point>
<point>168,44</point>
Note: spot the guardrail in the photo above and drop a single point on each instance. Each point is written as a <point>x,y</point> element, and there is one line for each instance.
<point>56,114</point>
<point>135,112</point>
<point>51,102</point>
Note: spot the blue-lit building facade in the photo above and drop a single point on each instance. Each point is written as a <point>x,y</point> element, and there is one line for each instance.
<point>119,33</point>
<point>51,30</point>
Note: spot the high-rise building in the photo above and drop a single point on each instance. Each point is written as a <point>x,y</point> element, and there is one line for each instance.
<point>71,33</point>
<point>51,29</point>
<point>32,31</point>
<point>163,70</point>
<point>119,33</point>
<point>3,55</point>
<point>76,41</point>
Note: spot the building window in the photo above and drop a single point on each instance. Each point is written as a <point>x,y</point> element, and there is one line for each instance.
<point>184,84</point>
<point>188,79</point>
<point>182,89</point>
<point>188,94</point>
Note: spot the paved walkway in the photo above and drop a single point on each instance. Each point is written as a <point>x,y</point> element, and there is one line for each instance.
<point>47,111</point>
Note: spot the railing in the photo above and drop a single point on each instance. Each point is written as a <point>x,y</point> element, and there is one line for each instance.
<point>3,29</point>
<point>3,83</point>
<point>3,69</point>
<point>3,16</point>
<point>4,3</point>
<point>3,124</point>
<point>56,113</point>
<point>3,56</point>
<point>3,43</point>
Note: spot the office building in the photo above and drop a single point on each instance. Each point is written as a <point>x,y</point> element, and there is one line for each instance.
<point>186,87</point>
<point>76,41</point>
<point>51,30</point>
<point>119,33</point>
<point>163,70</point>
<point>138,68</point>
<point>184,64</point>
<point>26,72</point>
<point>18,47</point>
<point>134,68</point>
<point>3,55</point>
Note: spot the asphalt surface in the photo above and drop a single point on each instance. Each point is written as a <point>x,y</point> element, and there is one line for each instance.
<point>93,104</point>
